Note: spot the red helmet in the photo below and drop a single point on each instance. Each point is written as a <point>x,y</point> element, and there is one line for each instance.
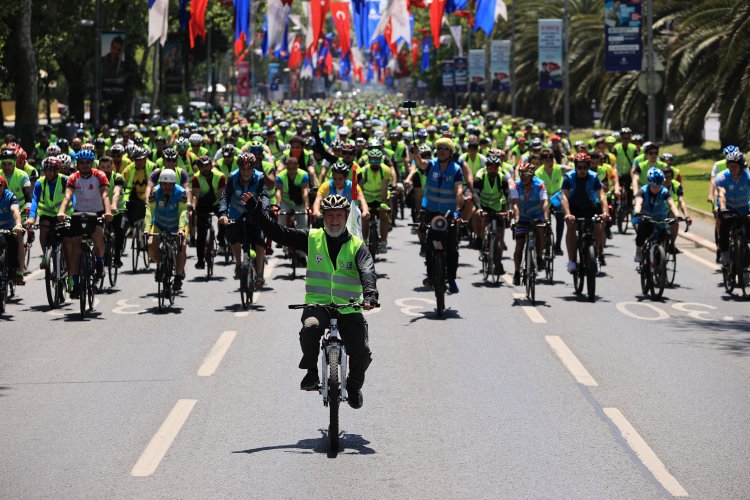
<point>581,157</point>
<point>246,159</point>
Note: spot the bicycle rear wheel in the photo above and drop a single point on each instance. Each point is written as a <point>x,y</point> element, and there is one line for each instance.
<point>496,260</point>
<point>622,219</point>
<point>487,257</point>
<point>373,238</point>
<point>671,268</point>
<point>250,282</point>
<point>739,267</point>
<point>591,273</point>
<point>549,255</point>
<point>92,286</point>
<point>659,271</point>
<point>210,253</point>
<point>109,257</point>
<point>334,390</point>
<point>578,275</point>
<point>438,280</point>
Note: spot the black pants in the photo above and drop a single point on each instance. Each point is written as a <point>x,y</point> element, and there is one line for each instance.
<point>559,226</point>
<point>118,229</point>
<point>642,231</point>
<point>353,331</point>
<point>10,243</point>
<point>204,220</point>
<point>451,248</point>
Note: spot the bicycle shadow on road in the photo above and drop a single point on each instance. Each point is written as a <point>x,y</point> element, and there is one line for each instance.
<point>731,337</point>
<point>354,442</point>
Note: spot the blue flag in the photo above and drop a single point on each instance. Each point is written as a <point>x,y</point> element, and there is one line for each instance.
<point>426,47</point>
<point>264,44</point>
<point>454,5</point>
<point>485,16</point>
<point>184,16</point>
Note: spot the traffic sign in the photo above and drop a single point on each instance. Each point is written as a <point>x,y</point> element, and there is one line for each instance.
<point>649,85</point>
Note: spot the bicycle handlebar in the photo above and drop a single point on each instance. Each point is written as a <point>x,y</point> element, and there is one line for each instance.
<point>332,306</point>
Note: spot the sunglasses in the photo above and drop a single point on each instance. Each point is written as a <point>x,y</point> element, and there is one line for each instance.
<point>117,155</point>
<point>443,148</point>
<point>546,157</point>
<point>85,162</point>
<point>582,166</point>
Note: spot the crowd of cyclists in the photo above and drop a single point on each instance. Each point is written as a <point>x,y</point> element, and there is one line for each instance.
<point>177,175</point>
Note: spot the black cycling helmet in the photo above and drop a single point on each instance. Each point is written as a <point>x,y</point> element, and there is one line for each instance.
<point>334,201</point>
<point>8,154</point>
<point>228,150</point>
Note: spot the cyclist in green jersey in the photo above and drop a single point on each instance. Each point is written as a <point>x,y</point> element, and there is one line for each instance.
<point>552,174</point>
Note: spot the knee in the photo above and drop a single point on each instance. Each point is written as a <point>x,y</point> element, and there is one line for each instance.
<point>310,325</point>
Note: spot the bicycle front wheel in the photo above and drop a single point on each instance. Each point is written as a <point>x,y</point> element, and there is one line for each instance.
<point>671,268</point>
<point>135,249</point>
<point>50,279</point>
<point>438,280</point>
<point>530,270</point>
<point>83,284</point>
<point>591,273</point>
<point>486,256</point>
<point>244,286</point>
<point>659,270</point>
<point>334,390</point>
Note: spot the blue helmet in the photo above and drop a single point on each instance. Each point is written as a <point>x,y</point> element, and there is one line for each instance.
<point>655,176</point>
<point>729,150</point>
<point>85,154</point>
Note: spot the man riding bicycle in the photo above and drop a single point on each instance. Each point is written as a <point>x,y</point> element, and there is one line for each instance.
<point>167,212</point>
<point>654,201</point>
<point>352,276</point>
<point>248,178</point>
<point>442,193</point>
<point>91,189</point>
<point>493,190</point>
<point>374,179</point>
<point>530,208</point>
<point>10,219</point>
<point>583,197</point>
<point>207,186</point>
<point>733,187</point>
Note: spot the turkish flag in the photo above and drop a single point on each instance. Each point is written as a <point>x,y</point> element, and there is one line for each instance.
<point>295,53</point>
<point>436,20</point>
<point>318,11</point>
<point>197,25</point>
<point>414,54</point>
<point>342,21</point>
<point>468,15</point>
<point>388,33</point>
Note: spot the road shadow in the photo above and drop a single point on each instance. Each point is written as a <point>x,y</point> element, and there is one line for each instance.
<point>202,279</point>
<point>433,315</point>
<point>353,442</point>
<point>75,316</point>
<point>4,389</point>
<point>523,301</point>
<point>583,298</point>
<point>167,310</point>
<point>487,284</point>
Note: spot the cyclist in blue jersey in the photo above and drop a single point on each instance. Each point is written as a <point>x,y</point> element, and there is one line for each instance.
<point>733,187</point>
<point>442,193</point>
<point>655,201</point>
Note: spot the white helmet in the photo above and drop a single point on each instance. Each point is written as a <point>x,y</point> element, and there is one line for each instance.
<point>168,176</point>
<point>344,131</point>
<point>195,138</point>
<point>65,160</point>
<point>53,150</point>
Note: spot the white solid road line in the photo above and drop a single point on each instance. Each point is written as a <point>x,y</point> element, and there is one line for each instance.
<point>534,315</point>
<point>570,361</point>
<point>214,357</point>
<point>701,260</point>
<point>645,453</point>
<point>162,440</point>
<point>267,272</point>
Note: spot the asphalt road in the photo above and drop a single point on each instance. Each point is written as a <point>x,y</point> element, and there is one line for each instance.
<point>625,397</point>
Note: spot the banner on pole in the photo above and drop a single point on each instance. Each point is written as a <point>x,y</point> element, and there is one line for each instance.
<point>273,76</point>
<point>477,69</point>
<point>446,67</point>
<point>550,53</point>
<point>243,78</point>
<point>500,65</point>
<point>461,73</point>
<point>171,56</point>
<point>622,35</point>
<point>113,65</point>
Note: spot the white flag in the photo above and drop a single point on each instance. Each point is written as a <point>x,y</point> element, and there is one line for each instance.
<point>501,10</point>
<point>397,13</point>
<point>456,32</point>
<point>277,18</point>
<point>158,17</point>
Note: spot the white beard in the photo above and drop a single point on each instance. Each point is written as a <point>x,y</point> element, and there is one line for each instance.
<point>334,234</point>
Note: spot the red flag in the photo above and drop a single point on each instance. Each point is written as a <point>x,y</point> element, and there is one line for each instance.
<point>295,53</point>
<point>468,15</point>
<point>329,62</point>
<point>197,25</point>
<point>388,34</point>
<point>318,11</point>
<point>355,196</point>
<point>340,13</point>
<point>414,54</point>
<point>436,20</point>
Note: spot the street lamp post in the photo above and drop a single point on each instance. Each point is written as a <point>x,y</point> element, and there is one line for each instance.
<point>98,64</point>
<point>566,65</point>
<point>513,58</point>
<point>650,70</point>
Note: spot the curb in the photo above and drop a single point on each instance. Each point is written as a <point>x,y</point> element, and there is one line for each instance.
<point>699,241</point>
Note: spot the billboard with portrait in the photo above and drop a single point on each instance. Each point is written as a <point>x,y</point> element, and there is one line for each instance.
<point>113,65</point>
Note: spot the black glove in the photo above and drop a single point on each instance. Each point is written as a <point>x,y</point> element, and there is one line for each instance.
<point>251,203</point>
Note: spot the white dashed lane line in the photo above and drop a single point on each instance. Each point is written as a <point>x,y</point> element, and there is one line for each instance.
<point>162,440</point>
<point>214,357</point>
<point>570,361</point>
<point>644,453</point>
<point>534,315</point>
